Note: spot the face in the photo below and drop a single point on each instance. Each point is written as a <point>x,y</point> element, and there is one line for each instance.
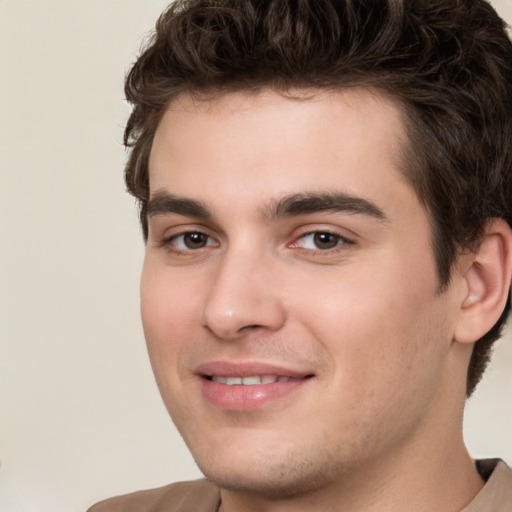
<point>289,290</point>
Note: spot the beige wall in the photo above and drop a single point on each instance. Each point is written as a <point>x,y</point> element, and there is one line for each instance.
<point>80,416</point>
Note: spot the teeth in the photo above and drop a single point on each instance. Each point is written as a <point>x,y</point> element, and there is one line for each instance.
<point>249,381</point>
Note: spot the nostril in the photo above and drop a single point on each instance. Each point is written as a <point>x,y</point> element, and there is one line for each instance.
<point>229,312</point>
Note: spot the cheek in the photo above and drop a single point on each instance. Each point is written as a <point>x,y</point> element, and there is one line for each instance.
<point>376,322</point>
<point>386,361</point>
<point>167,310</point>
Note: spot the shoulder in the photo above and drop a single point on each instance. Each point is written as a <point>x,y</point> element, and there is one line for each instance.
<point>496,495</point>
<point>195,496</point>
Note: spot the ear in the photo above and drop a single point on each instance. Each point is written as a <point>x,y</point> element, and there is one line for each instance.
<point>486,276</point>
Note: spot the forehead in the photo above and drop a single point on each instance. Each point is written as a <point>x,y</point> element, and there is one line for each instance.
<point>307,139</point>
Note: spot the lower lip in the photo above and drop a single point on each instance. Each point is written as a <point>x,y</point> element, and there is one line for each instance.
<point>247,398</point>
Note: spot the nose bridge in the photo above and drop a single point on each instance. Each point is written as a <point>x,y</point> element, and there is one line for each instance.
<point>242,295</point>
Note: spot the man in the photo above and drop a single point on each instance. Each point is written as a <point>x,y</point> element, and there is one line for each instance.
<point>326,192</point>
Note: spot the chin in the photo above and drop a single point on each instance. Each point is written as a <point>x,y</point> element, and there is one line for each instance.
<point>262,483</point>
<point>272,477</point>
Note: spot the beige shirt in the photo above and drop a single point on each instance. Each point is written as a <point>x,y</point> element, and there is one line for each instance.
<point>203,496</point>
<point>496,495</point>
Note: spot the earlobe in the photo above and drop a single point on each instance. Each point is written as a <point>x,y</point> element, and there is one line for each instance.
<point>487,283</point>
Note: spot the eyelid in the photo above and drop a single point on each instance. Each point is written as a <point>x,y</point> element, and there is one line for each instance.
<point>161,226</point>
<point>165,240</point>
<point>343,240</point>
<point>173,238</point>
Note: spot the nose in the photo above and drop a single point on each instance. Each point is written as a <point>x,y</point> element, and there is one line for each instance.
<point>243,297</point>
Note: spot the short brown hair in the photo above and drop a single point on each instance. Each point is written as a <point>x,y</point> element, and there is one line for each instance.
<point>448,62</point>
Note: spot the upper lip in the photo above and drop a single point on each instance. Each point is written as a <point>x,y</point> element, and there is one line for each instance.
<point>247,369</point>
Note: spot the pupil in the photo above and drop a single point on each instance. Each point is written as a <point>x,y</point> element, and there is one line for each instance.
<point>195,240</point>
<point>325,240</point>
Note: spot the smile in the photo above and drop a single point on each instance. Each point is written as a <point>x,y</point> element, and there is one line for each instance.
<point>249,381</point>
<point>247,387</point>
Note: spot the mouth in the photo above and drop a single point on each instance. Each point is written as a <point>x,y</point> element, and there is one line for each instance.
<point>246,387</point>
<point>253,380</point>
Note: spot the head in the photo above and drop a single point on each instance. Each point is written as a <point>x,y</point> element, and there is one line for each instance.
<point>322,187</point>
<point>447,64</point>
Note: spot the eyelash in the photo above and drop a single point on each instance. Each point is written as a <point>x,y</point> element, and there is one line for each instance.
<point>339,242</point>
<point>170,241</point>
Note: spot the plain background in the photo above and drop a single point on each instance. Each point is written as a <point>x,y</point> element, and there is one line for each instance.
<point>80,415</point>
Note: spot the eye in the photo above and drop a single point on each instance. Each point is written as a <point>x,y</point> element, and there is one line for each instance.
<point>191,240</point>
<point>320,241</point>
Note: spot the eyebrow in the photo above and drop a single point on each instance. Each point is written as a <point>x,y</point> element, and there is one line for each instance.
<point>163,202</point>
<point>297,204</point>
<point>308,203</point>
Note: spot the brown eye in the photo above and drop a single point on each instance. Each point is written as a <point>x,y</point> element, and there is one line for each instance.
<point>195,240</point>
<point>325,240</point>
<point>321,241</point>
<point>191,240</point>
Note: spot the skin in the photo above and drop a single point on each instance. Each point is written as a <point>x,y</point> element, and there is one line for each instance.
<point>376,426</point>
